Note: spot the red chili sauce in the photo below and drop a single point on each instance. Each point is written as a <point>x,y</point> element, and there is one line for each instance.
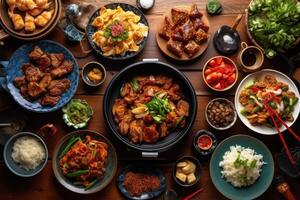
<point>204,142</point>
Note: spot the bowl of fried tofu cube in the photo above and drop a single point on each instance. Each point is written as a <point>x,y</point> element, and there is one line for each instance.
<point>186,171</point>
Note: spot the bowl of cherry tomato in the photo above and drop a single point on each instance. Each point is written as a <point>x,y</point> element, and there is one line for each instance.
<point>220,73</point>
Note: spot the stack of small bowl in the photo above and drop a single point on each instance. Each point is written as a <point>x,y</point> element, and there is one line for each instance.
<point>8,28</point>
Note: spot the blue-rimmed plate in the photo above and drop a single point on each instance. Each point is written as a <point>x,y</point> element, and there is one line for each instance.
<point>90,30</point>
<point>144,169</point>
<point>259,186</point>
<point>20,56</point>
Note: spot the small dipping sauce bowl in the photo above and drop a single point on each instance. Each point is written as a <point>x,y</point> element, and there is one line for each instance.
<point>95,68</point>
<point>204,143</point>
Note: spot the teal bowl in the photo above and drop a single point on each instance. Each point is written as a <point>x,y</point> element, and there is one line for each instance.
<point>259,186</point>
<point>14,167</point>
<point>110,168</point>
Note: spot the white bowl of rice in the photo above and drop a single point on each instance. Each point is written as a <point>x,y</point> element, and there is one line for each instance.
<point>25,154</point>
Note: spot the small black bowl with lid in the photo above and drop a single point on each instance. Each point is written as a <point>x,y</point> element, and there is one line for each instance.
<point>204,143</point>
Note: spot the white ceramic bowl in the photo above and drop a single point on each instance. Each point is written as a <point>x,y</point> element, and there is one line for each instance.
<point>260,74</point>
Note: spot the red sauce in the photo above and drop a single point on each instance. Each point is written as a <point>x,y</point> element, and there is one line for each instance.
<point>204,142</point>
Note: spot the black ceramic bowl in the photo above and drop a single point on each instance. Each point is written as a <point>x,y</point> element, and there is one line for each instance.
<point>197,172</point>
<point>89,67</point>
<point>205,152</point>
<point>90,30</point>
<point>149,68</point>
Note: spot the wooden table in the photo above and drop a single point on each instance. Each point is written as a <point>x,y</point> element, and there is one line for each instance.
<point>45,185</point>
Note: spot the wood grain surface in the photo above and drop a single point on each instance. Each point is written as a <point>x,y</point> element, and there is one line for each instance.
<point>45,186</point>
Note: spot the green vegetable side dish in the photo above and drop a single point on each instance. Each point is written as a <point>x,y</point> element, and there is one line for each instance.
<point>213,7</point>
<point>77,113</point>
<point>275,24</point>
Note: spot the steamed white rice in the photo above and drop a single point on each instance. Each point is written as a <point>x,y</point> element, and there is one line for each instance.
<point>241,166</point>
<point>28,152</point>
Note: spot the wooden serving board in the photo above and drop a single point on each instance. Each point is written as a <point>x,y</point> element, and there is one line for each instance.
<point>162,43</point>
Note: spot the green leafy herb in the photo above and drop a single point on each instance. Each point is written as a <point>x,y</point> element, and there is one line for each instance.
<point>77,173</point>
<point>158,108</point>
<point>275,24</point>
<point>135,85</point>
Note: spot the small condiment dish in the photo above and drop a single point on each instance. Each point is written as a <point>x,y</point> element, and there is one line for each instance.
<point>88,67</point>
<point>16,168</point>
<point>204,143</point>
<point>197,171</point>
<point>234,114</point>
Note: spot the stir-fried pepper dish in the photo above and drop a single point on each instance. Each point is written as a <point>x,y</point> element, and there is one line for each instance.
<point>278,96</point>
<point>149,107</point>
<point>84,161</point>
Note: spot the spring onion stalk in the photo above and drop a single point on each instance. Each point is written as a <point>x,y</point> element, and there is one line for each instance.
<point>71,142</point>
<point>77,173</point>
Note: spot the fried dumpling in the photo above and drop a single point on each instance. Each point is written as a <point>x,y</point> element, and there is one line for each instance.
<point>11,4</point>
<point>43,18</point>
<point>35,12</point>
<point>29,23</point>
<point>24,5</point>
<point>17,20</point>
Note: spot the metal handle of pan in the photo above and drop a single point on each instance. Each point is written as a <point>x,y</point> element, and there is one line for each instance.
<point>150,60</point>
<point>149,154</point>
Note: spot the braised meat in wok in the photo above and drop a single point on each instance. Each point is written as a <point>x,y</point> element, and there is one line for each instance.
<point>149,107</point>
<point>44,77</point>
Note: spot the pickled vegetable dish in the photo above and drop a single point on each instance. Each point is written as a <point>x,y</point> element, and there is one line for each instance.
<point>84,161</point>
<point>278,95</point>
<point>149,107</point>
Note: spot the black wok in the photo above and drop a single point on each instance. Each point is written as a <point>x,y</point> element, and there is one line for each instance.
<point>149,68</point>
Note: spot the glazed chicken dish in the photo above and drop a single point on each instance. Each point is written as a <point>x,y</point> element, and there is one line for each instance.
<point>185,31</point>
<point>85,161</point>
<point>270,91</point>
<point>44,77</point>
<point>149,107</point>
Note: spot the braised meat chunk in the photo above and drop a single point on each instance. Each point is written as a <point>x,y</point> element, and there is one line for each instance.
<point>33,74</point>
<point>44,63</point>
<point>49,100</point>
<point>56,59</point>
<point>187,31</point>
<point>194,12</point>
<point>179,16</point>
<point>57,87</point>
<point>166,31</point>
<point>175,47</point>
<point>36,53</point>
<point>200,36</point>
<point>25,66</point>
<point>45,81</point>
<point>35,90</point>
<point>177,35</point>
<point>65,68</point>
<point>191,48</point>
<point>19,81</point>
<point>198,23</point>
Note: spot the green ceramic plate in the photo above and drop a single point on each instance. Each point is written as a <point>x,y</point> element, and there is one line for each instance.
<point>261,184</point>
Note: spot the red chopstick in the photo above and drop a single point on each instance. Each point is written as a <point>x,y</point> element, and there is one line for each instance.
<point>193,194</point>
<point>287,127</point>
<point>282,139</point>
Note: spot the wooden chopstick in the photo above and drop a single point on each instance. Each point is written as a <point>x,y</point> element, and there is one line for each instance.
<point>193,194</point>
<point>288,153</point>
